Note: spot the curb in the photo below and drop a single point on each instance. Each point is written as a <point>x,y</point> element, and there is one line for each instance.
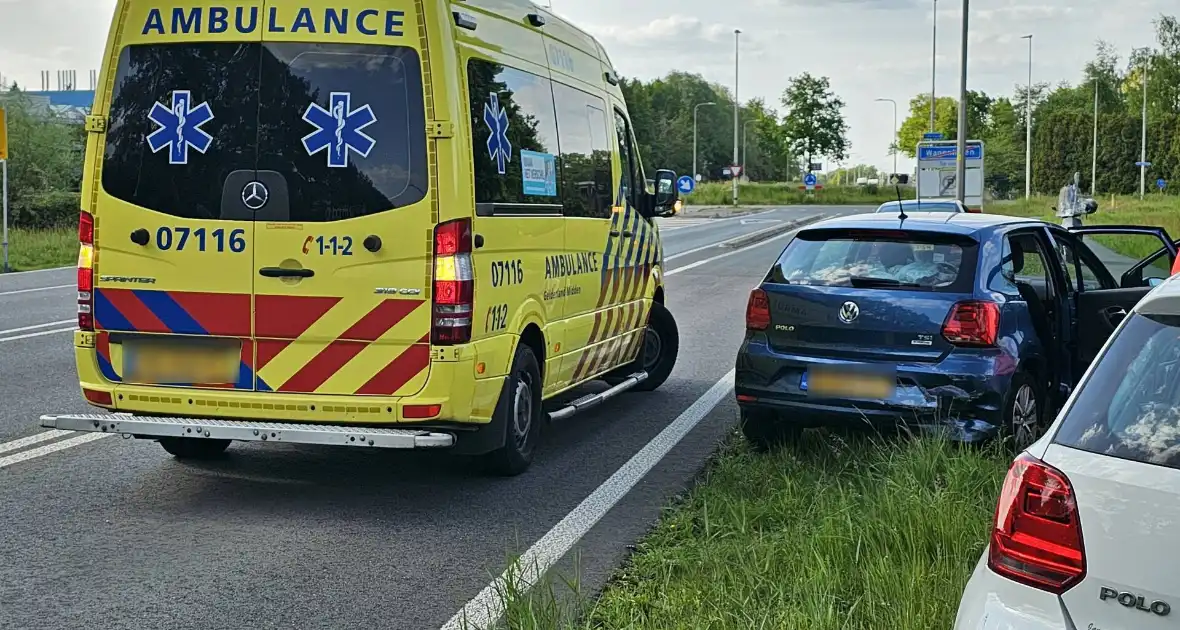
<point>771,232</point>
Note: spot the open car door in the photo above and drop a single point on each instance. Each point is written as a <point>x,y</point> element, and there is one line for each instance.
<point>1122,279</point>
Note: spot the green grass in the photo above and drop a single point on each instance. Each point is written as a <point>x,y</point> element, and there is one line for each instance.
<point>1156,210</point>
<point>42,249</point>
<point>721,194</point>
<point>833,533</point>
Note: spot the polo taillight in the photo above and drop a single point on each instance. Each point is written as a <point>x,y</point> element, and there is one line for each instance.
<point>1037,537</point>
<point>972,323</point>
<point>86,271</point>
<point>758,310</point>
<point>454,283</point>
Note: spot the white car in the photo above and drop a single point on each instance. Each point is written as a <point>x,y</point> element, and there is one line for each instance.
<point>931,205</point>
<point>1087,528</point>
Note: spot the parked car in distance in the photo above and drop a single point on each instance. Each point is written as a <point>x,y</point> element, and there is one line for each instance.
<point>1086,514</point>
<point>912,206</point>
<point>974,322</point>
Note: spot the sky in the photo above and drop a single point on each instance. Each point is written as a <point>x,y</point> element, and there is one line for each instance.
<point>870,49</point>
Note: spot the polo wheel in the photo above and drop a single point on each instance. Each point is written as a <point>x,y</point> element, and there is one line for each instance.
<point>519,410</point>
<point>1023,411</point>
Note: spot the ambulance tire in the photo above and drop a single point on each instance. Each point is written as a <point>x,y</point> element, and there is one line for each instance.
<point>661,346</point>
<point>194,448</point>
<point>520,413</point>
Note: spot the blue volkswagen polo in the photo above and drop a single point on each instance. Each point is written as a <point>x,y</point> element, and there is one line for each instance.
<point>976,323</point>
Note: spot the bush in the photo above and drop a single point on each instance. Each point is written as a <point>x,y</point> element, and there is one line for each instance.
<point>52,209</point>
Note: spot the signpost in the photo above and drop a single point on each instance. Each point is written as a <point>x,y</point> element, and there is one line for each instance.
<point>736,171</point>
<point>685,184</point>
<point>810,180</point>
<point>933,135</point>
<point>936,171</point>
<point>4,184</point>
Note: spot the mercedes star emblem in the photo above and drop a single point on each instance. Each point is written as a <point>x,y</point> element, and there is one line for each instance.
<point>849,311</point>
<point>255,195</point>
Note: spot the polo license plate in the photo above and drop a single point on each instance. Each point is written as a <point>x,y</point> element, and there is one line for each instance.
<point>181,362</point>
<point>872,382</point>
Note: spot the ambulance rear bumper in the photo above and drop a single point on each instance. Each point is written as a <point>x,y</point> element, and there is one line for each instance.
<point>249,431</point>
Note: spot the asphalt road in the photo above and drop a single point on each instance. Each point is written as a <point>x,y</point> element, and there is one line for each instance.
<point>115,533</point>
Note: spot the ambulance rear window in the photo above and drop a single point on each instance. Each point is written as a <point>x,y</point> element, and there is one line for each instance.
<point>343,124</point>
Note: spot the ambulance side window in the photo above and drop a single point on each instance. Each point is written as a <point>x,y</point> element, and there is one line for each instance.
<point>514,137</point>
<point>585,153</point>
<point>632,182</point>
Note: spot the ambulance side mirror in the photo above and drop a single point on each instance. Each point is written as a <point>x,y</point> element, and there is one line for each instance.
<point>664,203</point>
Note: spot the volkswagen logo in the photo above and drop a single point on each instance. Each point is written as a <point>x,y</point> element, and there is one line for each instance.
<point>849,311</point>
<point>255,195</point>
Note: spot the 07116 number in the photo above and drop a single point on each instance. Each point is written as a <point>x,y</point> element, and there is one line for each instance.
<point>507,272</point>
<point>177,239</point>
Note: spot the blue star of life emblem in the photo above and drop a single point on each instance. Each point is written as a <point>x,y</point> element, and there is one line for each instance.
<point>180,127</point>
<point>338,131</point>
<point>499,148</point>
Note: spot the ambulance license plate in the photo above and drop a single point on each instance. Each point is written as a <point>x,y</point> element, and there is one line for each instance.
<point>181,362</point>
<point>870,382</point>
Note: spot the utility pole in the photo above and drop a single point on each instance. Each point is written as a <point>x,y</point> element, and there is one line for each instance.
<point>961,145</point>
<point>1094,154</point>
<point>1028,125</point>
<point>695,110</point>
<point>933,65</point>
<point>736,111</point>
<point>1143,139</point>
<point>895,139</point>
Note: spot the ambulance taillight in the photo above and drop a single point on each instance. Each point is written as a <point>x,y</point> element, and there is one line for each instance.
<point>454,284</point>
<point>86,271</point>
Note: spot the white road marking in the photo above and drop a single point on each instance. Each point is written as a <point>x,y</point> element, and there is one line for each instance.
<point>38,334</point>
<point>44,436</point>
<point>52,288</point>
<point>33,271</point>
<point>486,608</point>
<point>36,326</point>
<point>25,456</point>
<point>720,256</point>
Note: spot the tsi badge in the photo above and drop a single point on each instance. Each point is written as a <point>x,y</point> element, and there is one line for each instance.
<point>396,291</point>
<point>1131,600</point>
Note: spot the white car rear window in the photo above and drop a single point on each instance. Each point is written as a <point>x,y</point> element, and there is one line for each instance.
<point>1130,406</point>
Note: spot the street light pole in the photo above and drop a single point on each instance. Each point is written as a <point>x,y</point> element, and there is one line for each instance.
<point>895,139</point>
<point>961,145</point>
<point>695,111</point>
<point>1094,155</point>
<point>1028,125</point>
<point>1143,139</point>
<point>736,112</point>
<point>933,64</point>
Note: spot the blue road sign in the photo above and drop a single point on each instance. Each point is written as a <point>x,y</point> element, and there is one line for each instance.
<point>1161,183</point>
<point>933,135</point>
<point>1142,163</point>
<point>810,179</point>
<point>685,184</point>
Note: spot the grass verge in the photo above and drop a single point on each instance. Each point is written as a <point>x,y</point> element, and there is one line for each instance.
<point>721,193</point>
<point>42,249</point>
<point>1156,210</point>
<point>831,533</point>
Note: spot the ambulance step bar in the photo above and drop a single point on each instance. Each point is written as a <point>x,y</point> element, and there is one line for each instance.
<point>593,400</point>
<point>248,431</point>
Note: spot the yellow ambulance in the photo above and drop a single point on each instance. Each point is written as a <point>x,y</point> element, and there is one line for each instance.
<point>400,224</point>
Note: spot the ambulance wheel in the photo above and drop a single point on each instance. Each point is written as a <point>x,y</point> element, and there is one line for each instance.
<point>519,410</point>
<point>194,448</point>
<point>661,345</point>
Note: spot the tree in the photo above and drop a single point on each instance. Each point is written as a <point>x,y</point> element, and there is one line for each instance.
<point>946,119</point>
<point>45,163</point>
<point>814,123</point>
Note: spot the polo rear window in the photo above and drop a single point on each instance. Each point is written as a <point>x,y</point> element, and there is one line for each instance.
<point>1129,407</point>
<point>344,124</point>
<point>878,259</point>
